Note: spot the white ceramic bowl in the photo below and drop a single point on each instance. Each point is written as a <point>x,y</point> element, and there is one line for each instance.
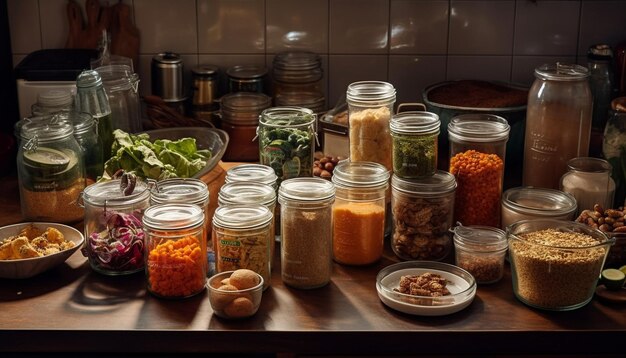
<point>25,268</point>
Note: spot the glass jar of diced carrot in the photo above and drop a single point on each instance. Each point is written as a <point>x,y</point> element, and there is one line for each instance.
<point>359,212</point>
<point>176,260</point>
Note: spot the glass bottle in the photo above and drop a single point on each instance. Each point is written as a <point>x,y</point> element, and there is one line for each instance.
<point>614,147</point>
<point>122,89</point>
<point>114,233</point>
<point>589,181</point>
<point>477,155</point>
<point>52,101</point>
<point>414,143</point>
<point>298,80</point>
<point>558,123</point>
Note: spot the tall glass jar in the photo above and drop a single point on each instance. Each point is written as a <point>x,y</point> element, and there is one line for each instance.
<point>558,123</point>
<point>51,172</point>
<point>526,203</point>
<point>370,106</point>
<point>477,154</point>
<point>86,134</point>
<point>414,143</point>
<point>114,234</point>
<point>359,212</point>
<point>176,262</point>
<point>298,80</point>
<point>307,231</point>
<point>244,239</point>
<point>239,118</point>
<point>589,181</point>
<point>422,211</point>
<point>122,88</point>
<point>287,141</point>
<point>614,147</point>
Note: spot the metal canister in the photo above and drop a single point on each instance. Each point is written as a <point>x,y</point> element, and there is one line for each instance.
<point>167,77</point>
<point>204,84</point>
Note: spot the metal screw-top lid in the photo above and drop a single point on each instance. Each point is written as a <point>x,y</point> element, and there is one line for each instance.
<point>479,238</point>
<point>246,193</point>
<point>360,174</point>
<point>88,79</point>
<point>367,93</point>
<point>539,201</point>
<point>306,189</point>
<point>205,71</point>
<point>439,183</point>
<point>180,190</point>
<point>415,123</point>
<point>242,216</point>
<point>478,127</point>
<point>251,173</point>
<point>167,58</point>
<point>173,216</point>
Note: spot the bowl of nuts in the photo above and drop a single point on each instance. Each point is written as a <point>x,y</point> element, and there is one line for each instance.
<point>612,222</point>
<point>323,165</point>
<point>235,294</point>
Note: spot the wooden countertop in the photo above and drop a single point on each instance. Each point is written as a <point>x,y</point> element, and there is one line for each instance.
<point>72,309</point>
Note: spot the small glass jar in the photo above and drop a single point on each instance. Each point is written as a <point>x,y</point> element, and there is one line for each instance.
<point>481,251</point>
<point>359,212</point>
<point>298,80</point>
<point>51,172</point>
<point>176,262</point>
<point>370,106</point>
<point>52,102</point>
<point>239,118</point>
<point>589,181</point>
<point>245,78</point>
<point>477,151</point>
<point>243,239</point>
<point>287,141</point>
<point>114,234</point>
<point>122,88</point>
<point>422,213</point>
<point>307,231</point>
<point>414,144</point>
<point>526,203</point>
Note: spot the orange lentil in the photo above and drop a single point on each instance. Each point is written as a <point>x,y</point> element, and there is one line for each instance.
<point>479,187</point>
<point>358,233</point>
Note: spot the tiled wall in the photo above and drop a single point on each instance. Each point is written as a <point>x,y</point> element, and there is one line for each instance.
<point>410,43</point>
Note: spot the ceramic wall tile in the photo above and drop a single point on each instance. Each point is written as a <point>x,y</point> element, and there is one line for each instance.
<point>418,27</point>
<point>487,68</point>
<point>269,61</point>
<point>601,22</point>
<point>481,27</point>
<point>167,26</point>
<point>24,25</point>
<point>231,26</point>
<point>342,71</point>
<point>359,26</point>
<point>224,62</point>
<point>55,23</point>
<point>523,70</point>
<point>546,27</point>
<point>411,74</point>
<point>297,25</point>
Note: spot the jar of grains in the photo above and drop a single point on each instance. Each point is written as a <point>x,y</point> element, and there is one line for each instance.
<point>422,211</point>
<point>307,229</point>
<point>176,260</point>
<point>481,251</point>
<point>477,151</point>
<point>525,203</point>
<point>359,212</point>
<point>414,144</point>
<point>370,105</point>
<point>589,181</point>
<point>243,236</point>
<point>114,234</point>
<point>50,171</point>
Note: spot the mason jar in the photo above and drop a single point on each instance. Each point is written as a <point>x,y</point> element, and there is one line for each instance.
<point>415,141</point>
<point>526,203</point>
<point>306,213</point>
<point>176,262</point>
<point>422,214</point>
<point>51,172</point>
<point>298,80</point>
<point>243,239</point>
<point>244,78</point>
<point>477,154</point>
<point>114,234</point>
<point>481,250</point>
<point>359,212</point>
<point>53,101</point>
<point>589,181</point>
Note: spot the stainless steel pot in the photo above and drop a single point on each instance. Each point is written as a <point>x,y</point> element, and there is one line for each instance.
<point>167,77</point>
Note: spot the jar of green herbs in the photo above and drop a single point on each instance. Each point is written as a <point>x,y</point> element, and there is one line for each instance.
<point>414,150</point>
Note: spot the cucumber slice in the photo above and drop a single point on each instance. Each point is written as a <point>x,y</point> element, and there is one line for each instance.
<point>613,279</point>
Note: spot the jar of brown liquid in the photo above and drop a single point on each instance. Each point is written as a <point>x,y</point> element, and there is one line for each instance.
<point>558,123</point>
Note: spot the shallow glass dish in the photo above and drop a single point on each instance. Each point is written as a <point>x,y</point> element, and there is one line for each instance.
<point>232,303</point>
<point>461,284</point>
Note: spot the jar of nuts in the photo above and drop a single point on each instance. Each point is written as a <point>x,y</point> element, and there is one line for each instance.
<point>480,250</point>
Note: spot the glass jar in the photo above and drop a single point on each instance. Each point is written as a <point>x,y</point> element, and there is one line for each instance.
<point>589,181</point>
<point>239,118</point>
<point>51,172</point>
<point>245,78</point>
<point>176,262</point>
<point>244,239</point>
<point>86,134</point>
<point>122,88</point>
<point>287,141</point>
<point>414,144</point>
<point>599,63</point>
<point>306,213</point>
<point>114,234</point>
<point>481,251</point>
<point>477,151</point>
<point>558,123</point>
<point>370,106</point>
<point>526,203</point>
<point>298,80</point>
<point>205,80</point>
<point>359,212</point>
<point>614,147</point>
<point>52,102</point>
<point>422,212</point>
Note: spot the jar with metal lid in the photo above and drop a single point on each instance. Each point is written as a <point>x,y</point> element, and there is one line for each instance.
<point>589,181</point>
<point>239,118</point>
<point>243,239</point>
<point>422,212</point>
<point>414,146</point>
<point>307,231</point>
<point>204,85</point>
<point>477,154</point>
<point>287,141</point>
<point>370,106</point>
<point>252,173</point>
<point>53,101</point>
<point>122,88</point>
<point>359,212</point>
<point>614,147</point>
<point>247,78</point>
<point>526,203</point>
<point>481,251</point>
<point>176,262</point>
<point>298,80</point>
<point>51,172</point>
<point>114,233</point>
<point>558,123</point>
<point>166,70</point>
